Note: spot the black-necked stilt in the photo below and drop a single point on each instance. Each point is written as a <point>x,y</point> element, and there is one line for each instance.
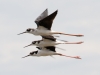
<point>44,24</point>
<point>49,41</point>
<point>48,51</point>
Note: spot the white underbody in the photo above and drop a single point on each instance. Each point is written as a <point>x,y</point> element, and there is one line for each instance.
<point>48,43</point>
<point>42,32</point>
<point>45,53</point>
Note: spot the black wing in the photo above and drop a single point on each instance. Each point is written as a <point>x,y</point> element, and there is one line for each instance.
<point>47,21</point>
<point>43,15</point>
<point>49,38</point>
<point>51,48</point>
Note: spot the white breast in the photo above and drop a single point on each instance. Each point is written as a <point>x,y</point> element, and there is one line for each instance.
<point>45,53</point>
<point>44,32</point>
<point>47,43</point>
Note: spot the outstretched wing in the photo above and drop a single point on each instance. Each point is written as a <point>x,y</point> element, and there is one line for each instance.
<point>47,21</point>
<point>43,15</point>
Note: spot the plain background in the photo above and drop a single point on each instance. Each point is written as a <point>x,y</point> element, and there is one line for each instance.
<point>74,16</point>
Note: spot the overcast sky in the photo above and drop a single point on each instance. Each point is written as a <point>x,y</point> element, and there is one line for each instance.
<point>74,16</point>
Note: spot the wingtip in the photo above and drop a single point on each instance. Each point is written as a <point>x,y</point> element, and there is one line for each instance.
<point>57,10</point>
<point>46,9</point>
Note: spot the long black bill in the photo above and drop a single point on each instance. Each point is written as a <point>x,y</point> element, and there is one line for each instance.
<point>25,56</point>
<point>21,33</point>
<point>27,45</point>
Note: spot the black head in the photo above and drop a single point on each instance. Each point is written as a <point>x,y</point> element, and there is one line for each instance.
<point>33,42</point>
<point>29,30</point>
<point>39,48</point>
<point>31,54</point>
<point>34,52</point>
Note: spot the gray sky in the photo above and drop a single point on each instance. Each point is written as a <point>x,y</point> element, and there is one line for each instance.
<point>74,16</point>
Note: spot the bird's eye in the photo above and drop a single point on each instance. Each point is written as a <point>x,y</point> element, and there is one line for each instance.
<point>39,48</point>
<point>33,42</point>
<point>31,53</point>
<point>28,30</point>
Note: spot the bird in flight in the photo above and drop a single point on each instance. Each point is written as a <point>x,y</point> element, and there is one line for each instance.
<point>44,24</point>
<point>48,51</point>
<point>47,46</point>
<point>49,41</point>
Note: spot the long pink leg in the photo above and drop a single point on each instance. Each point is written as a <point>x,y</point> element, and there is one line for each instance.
<point>73,42</point>
<point>76,57</point>
<point>78,35</point>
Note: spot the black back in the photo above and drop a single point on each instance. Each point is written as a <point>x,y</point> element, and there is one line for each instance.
<point>49,38</point>
<point>51,48</point>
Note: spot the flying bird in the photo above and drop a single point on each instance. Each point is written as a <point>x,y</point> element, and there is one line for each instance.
<point>48,51</point>
<point>44,24</point>
<point>49,41</point>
